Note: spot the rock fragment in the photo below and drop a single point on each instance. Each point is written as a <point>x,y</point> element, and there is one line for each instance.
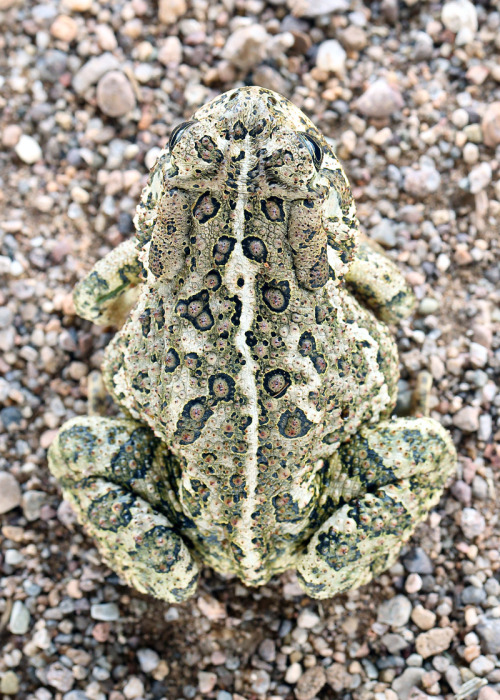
<point>434,641</point>
<point>246,47</point>
<point>472,523</point>
<point>395,612</point>
<point>467,419</point>
<point>380,100</point>
<point>20,618</point>
<point>316,8</point>
<point>93,70</point>
<point>28,149</point>
<point>331,57</point>
<point>310,683</point>
<point>169,11</point>
<point>10,492</point>
<point>490,125</point>
<point>115,95</point>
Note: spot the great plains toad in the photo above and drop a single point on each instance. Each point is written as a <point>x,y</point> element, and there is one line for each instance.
<point>254,371</point>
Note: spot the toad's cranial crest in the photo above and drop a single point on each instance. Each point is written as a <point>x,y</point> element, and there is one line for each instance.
<point>253,368</point>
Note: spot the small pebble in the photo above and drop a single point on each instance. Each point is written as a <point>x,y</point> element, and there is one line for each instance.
<point>467,419</point>
<point>10,492</point>
<point>19,618</point>
<point>106,612</point>
<point>490,125</point>
<point>169,11</point>
<point>459,14</point>
<point>395,611</point>
<point>115,95</point>
<point>206,682</point>
<point>434,641</point>
<point>64,28</point>
<point>413,583</point>
<point>293,673</point>
<point>246,47</point>
<point>28,150</point>
<point>331,57</point>
<point>307,619</point>
<point>148,659</point>
<point>472,523</point>
<point>380,100</point>
<point>310,683</point>
<point>423,618</point>
<point>9,683</point>
<point>133,688</point>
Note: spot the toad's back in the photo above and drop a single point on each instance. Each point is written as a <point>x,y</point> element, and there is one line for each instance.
<point>246,354</point>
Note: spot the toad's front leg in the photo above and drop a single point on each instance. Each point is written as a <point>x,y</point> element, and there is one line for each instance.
<point>391,475</point>
<point>106,295</point>
<point>379,284</point>
<point>114,473</point>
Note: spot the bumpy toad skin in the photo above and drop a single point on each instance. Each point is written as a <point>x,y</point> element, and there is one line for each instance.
<point>254,369</point>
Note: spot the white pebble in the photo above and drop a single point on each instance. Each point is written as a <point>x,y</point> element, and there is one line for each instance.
<point>28,150</point>
<point>459,14</point>
<point>331,57</point>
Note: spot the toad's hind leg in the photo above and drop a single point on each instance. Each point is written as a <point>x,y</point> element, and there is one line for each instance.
<point>114,472</point>
<point>391,475</point>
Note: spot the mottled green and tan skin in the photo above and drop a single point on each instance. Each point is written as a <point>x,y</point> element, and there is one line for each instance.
<point>254,369</point>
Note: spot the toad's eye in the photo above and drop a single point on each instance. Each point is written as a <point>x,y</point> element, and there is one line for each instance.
<point>314,148</point>
<point>177,133</point>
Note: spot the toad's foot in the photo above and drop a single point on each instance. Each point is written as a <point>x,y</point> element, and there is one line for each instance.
<point>113,472</point>
<point>396,472</point>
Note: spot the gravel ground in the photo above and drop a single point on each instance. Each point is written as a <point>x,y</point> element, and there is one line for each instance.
<point>410,93</point>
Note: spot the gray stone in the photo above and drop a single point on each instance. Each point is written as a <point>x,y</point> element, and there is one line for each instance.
<point>403,684</point>
<point>394,643</point>
<point>417,561</point>
<point>485,427</point>
<point>489,631</point>
<point>380,100</point>
<point>471,595</point>
<point>20,618</point>
<point>148,659</point>
<point>115,95</point>
<point>94,69</point>
<point>482,666</point>
<point>60,677</point>
<point>261,682</point>
<point>32,502</point>
<point>10,492</point>
<point>421,182</point>
<point>267,650</point>
<point>395,612</point>
<point>472,523</point>
<point>75,695</point>
<point>480,177</point>
<point>384,233</point>
<point>478,355</point>
<point>310,683</point>
<point>467,419</point>
<point>107,612</point>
